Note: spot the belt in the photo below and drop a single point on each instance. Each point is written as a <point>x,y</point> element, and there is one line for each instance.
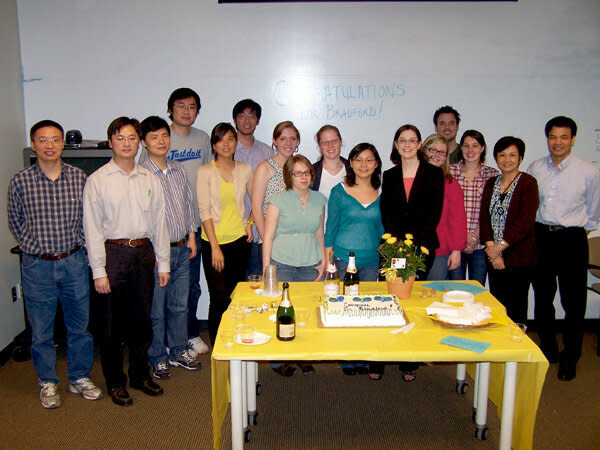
<point>133,243</point>
<point>554,228</point>
<point>178,243</point>
<point>57,256</point>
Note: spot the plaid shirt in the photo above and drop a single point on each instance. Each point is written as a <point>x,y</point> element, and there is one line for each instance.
<point>45,216</point>
<point>473,190</point>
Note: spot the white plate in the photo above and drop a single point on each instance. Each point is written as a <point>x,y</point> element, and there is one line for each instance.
<point>259,339</point>
<point>273,295</point>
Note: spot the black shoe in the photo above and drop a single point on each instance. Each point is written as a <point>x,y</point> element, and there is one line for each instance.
<point>349,371</point>
<point>120,396</point>
<point>147,386</point>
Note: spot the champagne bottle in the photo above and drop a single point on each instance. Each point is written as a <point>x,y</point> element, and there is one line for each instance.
<point>286,317</point>
<point>351,279</point>
<point>331,283</point>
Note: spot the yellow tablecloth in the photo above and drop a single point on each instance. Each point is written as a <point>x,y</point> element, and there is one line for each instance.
<point>422,343</point>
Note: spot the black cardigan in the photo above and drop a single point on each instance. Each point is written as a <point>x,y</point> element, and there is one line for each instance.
<point>318,166</point>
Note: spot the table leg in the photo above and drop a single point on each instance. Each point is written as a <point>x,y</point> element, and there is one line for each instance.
<point>251,392</point>
<point>475,391</point>
<point>508,405</point>
<point>235,383</point>
<point>461,374</point>
<point>245,401</point>
<point>483,381</point>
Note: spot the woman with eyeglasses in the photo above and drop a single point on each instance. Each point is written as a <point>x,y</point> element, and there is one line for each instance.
<point>472,175</point>
<point>331,168</point>
<point>412,195</point>
<point>508,209</point>
<point>452,228</point>
<point>293,239</point>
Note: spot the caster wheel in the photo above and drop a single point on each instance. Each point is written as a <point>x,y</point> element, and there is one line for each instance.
<point>462,388</point>
<point>258,388</point>
<point>247,436</point>
<point>253,419</point>
<point>481,433</point>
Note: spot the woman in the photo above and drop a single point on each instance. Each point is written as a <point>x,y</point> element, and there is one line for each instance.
<point>331,168</point>
<point>222,185</point>
<point>472,175</point>
<point>354,222</point>
<point>268,177</point>
<point>452,228</point>
<point>412,196</point>
<point>293,238</point>
<point>508,209</point>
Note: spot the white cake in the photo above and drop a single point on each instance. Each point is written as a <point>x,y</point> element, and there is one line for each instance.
<point>362,311</point>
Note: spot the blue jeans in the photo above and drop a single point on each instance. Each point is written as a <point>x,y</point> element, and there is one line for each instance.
<point>364,273</point>
<point>44,282</point>
<point>439,270</point>
<point>169,309</point>
<point>477,264</point>
<point>194,291</point>
<point>292,273</point>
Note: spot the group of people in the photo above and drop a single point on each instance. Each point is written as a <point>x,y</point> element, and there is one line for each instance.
<point>147,221</point>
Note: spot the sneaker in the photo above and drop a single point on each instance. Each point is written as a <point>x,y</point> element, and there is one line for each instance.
<point>161,371</point>
<point>185,360</point>
<point>86,388</point>
<point>49,396</point>
<point>198,345</point>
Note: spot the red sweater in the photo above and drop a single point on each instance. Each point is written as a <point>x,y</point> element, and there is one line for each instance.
<point>452,228</point>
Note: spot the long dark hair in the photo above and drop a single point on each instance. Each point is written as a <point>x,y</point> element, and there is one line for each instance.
<point>375,176</point>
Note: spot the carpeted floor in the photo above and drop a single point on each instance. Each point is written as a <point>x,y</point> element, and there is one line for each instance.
<point>321,411</point>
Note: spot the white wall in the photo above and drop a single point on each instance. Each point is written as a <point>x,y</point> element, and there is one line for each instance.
<point>12,129</point>
<point>506,66</point>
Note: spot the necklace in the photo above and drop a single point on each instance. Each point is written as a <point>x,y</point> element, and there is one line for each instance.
<point>507,188</point>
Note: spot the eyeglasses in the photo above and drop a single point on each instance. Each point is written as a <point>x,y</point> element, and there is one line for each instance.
<point>301,173</point>
<point>45,140</point>
<point>184,106</point>
<point>411,142</point>
<point>132,139</point>
<point>328,143</point>
<point>364,160</point>
<point>247,116</point>
<point>437,152</point>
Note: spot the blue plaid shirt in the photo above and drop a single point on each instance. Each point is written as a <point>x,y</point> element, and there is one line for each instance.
<point>45,216</point>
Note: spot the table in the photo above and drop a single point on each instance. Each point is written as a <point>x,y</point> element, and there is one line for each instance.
<point>509,361</point>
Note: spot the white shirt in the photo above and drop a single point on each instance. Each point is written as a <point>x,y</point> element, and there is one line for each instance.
<point>117,205</point>
<point>328,181</point>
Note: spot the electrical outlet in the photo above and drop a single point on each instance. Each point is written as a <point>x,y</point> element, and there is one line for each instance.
<point>17,293</point>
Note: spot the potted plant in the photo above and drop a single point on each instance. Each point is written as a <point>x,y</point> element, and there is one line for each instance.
<point>400,261</point>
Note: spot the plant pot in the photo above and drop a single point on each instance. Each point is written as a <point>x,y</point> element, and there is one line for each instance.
<point>400,288</point>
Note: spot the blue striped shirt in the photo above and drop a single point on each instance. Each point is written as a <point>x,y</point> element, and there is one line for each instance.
<point>45,216</point>
<point>179,200</point>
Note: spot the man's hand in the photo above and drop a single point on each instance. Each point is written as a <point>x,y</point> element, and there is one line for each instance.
<point>163,278</point>
<point>102,285</point>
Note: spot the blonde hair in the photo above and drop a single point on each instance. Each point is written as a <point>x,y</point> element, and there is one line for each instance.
<point>433,139</point>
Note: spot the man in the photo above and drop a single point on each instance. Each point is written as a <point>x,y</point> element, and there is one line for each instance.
<point>169,304</point>
<point>246,116</point>
<point>45,207</point>
<point>569,208</point>
<point>446,120</point>
<point>124,224</point>
<point>191,147</point>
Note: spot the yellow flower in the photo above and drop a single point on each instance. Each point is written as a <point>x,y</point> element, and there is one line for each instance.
<point>408,242</point>
<point>409,236</point>
<point>391,240</point>
<point>424,250</point>
<point>386,236</point>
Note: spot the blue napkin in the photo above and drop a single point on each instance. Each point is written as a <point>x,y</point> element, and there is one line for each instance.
<point>454,286</point>
<point>466,344</point>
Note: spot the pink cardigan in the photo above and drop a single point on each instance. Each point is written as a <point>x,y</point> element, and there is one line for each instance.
<point>452,227</point>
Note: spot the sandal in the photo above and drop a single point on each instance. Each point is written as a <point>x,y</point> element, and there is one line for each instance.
<point>375,376</point>
<point>285,370</point>
<point>306,368</point>
<point>408,376</point>
<point>375,371</point>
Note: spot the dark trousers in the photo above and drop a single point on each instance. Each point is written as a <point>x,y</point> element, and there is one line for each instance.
<point>511,287</point>
<point>221,284</point>
<point>562,255</point>
<point>195,291</point>
<point>125,313</point>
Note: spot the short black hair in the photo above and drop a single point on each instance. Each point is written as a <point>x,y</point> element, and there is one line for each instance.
<point>154,123</point>
<point>446,110</point>
<point>121,122</point>
<point>357,150</point>
<point>218,133</point>
<point>180,94</point>
<point>505,142</point>
<point>245,104</point>
<point>479,138</point>
<point>46,123</point>
<point>561,122</point>
<point>395,155</point>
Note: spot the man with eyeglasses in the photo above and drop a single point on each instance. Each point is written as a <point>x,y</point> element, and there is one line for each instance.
<point>45,207</point>
<point>246,116</point>
<point>191,147</point>
<point>446,120</point>
<point>126,236</point>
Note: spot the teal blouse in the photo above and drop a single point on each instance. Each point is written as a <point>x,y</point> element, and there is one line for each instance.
<point>352,227</point>
<point>295,242</point>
